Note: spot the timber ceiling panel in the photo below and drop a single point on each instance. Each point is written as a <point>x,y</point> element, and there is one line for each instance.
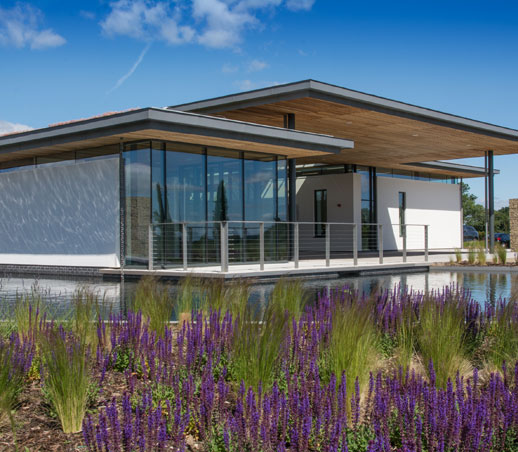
<point>380,139</point>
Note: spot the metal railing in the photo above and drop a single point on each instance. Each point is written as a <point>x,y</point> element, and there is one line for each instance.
<point>223,243</point>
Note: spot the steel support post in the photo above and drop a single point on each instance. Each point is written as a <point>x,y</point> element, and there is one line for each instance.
<point>380,242</point>
<point>355,244</point>
<point>184,246</point>
<point>491,192</point>
<point>486,174</point>
<point>150,247</point>
<point>261,246</point>
<point>292,199</point>
<point>328,244</point>
<point>426,243</point>
<point>224,246</point>
<point>404,242</point>
<point>296,245</point>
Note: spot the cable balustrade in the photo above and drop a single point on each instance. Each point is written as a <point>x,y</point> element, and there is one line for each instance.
<point>188,245</point>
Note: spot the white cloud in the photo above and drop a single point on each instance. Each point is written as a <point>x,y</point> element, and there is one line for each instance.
<point>229,68</point>
<point>298,5</point>
<point>212,23</point>
<point>257,65</point>
<point>130,72</point>
<point>12,127</point>
<point>20,27</point>
<point>148,20</point>
<point>87,14</point>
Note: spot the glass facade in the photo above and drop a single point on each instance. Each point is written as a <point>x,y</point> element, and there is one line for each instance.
<point>368,207</point>
<point>169,183</point>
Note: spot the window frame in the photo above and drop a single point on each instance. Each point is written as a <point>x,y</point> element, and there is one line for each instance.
<point>320,217</point>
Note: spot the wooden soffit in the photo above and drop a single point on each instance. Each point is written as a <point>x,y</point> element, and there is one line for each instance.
<point>380,139</point>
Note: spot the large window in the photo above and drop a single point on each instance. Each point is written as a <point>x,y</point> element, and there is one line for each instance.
<point>170,183</point>
<point>137,164</point>
<point>320,204</point>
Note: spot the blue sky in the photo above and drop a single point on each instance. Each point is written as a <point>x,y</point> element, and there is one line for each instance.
<point>68,60</point>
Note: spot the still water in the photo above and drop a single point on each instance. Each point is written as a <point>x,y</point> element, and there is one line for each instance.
<point>484,287</point>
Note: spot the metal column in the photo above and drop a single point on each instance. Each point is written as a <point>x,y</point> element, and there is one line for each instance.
<point>289,123</point>
<point>491,201</point>
<point>486,235</point>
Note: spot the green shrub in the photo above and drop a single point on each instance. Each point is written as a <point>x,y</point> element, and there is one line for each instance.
<point>67,378</point>
<point>153,301</point>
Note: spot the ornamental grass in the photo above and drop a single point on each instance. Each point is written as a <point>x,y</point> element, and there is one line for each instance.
<point>66,377</point>
<point>153,300</point>
<point>337,374</point>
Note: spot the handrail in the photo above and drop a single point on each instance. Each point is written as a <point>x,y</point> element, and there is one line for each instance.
<point>223,245</point>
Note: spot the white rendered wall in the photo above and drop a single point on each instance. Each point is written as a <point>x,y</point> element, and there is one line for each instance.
<point>431,203</point>
<point>61,215</point>
<point>343,206</point>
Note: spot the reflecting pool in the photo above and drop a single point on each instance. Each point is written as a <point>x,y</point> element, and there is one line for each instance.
<point>483,286</point>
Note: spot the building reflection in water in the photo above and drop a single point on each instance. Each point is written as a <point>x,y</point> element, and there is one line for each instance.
<point>485,287</point>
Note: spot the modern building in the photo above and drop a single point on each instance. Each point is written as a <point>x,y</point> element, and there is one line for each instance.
<point>124,189</point>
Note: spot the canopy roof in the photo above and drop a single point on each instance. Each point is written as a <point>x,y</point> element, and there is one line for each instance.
<point>386,133</point>
<point>163,124</point>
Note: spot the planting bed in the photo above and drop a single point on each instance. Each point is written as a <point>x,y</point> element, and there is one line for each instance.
<point>396,371</point>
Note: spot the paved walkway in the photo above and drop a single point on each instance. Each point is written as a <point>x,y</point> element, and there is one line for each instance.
<point>306,267</point>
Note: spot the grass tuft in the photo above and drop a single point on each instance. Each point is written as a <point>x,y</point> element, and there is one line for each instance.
<point>458,255</point>
<point>289,296</point>
<point>442,338</point>
<point>500,254</point>
<point>503,335</point>
<point>257,345</point>
<point>153,301</point>
<point>353,342</point>
<point>481,256</point>
<point>67,378</point>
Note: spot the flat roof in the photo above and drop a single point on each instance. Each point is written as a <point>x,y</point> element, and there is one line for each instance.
<point>385,132</point>
<point>165,124</point>
<point>239,100</point>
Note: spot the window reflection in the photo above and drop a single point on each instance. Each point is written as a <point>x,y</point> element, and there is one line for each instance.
<point>138,203</point>
<point>171,183</point>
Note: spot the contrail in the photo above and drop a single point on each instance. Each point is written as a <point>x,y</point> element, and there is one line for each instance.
<point>130,72</point>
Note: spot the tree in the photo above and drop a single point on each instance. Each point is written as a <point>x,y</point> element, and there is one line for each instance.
<point>474,213</point>
<point>221,207</point>
<point>502,220</point>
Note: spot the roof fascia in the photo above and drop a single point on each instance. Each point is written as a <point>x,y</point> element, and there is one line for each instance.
<point>173,121</point>
<point>337,94</point>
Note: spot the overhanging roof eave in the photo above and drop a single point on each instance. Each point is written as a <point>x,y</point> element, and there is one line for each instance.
<point>333,93</point>
<point>181,122</point>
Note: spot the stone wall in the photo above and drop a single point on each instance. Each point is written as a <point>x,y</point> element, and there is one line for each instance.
<point>513,218</point>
